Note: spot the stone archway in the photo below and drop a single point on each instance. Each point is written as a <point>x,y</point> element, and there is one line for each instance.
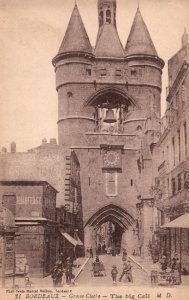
<point>122,224</point>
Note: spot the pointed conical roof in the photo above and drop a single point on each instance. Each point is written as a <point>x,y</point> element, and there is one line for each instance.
<point>76,38</point>
<point>108,43</point>
<point>139,40</point>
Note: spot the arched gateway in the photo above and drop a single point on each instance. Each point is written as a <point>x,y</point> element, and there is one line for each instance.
<point>111,225</point>
<point>105,97</point>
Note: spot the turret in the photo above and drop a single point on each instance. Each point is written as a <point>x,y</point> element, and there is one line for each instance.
<point>73,68</point>
<point>145,67</point>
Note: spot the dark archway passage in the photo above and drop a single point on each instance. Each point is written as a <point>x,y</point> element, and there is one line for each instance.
<point>107,228</point>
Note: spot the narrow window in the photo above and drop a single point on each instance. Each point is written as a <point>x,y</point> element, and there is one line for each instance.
<point>177,100</point>
<point>168,186</point>
<point>162,217</point>
<point>179,149</point>
<point>131,182</point>
<point>101,18</point>
<point>185,139</point>
<point>111,184</point>
<point>179,182</point>
<point>75,195</point>
<point>173,186</point>
<point>173,147</point>
<point>88,71</point>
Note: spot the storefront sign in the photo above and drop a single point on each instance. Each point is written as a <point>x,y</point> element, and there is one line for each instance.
<point>29,200</point>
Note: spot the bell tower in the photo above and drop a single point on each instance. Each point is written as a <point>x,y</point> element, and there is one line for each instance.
<point>107,12</point>
<point>108,109</point>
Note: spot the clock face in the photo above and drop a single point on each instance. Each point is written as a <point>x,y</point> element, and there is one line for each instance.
<point>111,159</point>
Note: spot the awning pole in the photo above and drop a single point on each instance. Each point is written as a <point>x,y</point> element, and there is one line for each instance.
<point>180,252</point>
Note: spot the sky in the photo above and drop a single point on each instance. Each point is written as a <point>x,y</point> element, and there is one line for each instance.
<point>30,35</point>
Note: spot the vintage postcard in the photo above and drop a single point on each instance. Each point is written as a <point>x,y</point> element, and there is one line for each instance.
<point>94,159</point>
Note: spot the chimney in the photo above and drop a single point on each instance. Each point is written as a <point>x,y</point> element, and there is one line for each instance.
<point>13,147</point>
<point>53,141</point>
<point>3,150</point>
<point>44,141</point>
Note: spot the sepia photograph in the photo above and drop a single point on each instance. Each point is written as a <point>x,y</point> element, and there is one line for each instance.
<point>94,149</point>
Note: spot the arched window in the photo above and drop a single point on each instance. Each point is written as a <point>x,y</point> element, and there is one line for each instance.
<point>139,128</point>
<point>101,18</point>
<point>108,16</point>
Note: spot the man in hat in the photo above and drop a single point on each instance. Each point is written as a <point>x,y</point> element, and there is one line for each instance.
<point>56,274</point>
<point>68,270</point>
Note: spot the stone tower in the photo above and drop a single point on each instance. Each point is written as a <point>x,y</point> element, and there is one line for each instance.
<point>108,112</point>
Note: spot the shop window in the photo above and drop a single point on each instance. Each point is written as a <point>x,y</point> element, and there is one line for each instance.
<point>111,183</point>
<point>173,186</point>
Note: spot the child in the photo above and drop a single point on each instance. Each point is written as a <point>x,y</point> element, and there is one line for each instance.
<point>114,273</point>
<point>155,269</point>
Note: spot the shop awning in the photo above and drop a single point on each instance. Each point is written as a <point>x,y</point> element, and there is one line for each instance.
<point>180,222</point>
<point>69,238</point>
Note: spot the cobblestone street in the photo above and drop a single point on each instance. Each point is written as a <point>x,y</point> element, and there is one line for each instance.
<point>140,278</point>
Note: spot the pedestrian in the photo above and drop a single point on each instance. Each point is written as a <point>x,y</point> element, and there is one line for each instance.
<point>88,252</point>
<point>124,272</point>
<point>114,273</point>
<point>155,269</point>
<point>99,249</point>
<point>163,263</point>
<point>124,255</point>
<point>68,270</point>
<point>97,259</point>
<point>26,275</point>
<point>61,258</point>
<point>91,252</point>
<point>104,248</point>
<point>127,272</point>
<point>57,274</point>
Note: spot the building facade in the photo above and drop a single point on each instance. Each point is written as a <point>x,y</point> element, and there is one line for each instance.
<point>39,182</point>
<point>109,114</point>
<point>171,161</point>
<point>35,216</point>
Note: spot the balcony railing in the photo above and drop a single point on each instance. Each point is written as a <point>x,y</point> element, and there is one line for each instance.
<point>180,198</point>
